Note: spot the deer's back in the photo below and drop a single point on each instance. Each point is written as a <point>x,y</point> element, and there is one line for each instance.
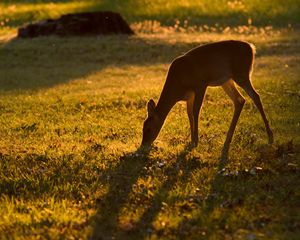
<point>214,63</point>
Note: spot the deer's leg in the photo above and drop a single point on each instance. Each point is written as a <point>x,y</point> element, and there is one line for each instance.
<point>199,95</point>
<point>238,101</point>
<point>190,107</point>
<point>247,86</point>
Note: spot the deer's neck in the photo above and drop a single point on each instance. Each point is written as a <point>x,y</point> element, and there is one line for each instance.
<point>165,103</point>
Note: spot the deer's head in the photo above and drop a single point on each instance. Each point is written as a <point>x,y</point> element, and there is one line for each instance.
<point>152,124</point>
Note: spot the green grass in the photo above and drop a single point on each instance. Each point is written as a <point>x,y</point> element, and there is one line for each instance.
<point>71,114</point>
<point>187,12</point>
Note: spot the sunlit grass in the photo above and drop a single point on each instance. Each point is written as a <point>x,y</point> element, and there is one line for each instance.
<point>71,114</point>
<point>187,12</point>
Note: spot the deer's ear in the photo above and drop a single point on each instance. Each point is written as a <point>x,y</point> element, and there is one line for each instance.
<point>151,107</point>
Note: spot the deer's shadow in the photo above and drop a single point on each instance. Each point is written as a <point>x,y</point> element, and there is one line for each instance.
<point>121,182</point>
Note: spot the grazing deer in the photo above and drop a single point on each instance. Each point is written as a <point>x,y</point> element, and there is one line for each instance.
<point>225,64</point>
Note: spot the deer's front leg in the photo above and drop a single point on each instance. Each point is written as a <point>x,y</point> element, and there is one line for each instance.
<point>197,103</point>
<point>190,106</point>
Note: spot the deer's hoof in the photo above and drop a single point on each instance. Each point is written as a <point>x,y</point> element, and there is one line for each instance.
<point>271,139</point>
<point>224,155</point>
<point>193,145</point>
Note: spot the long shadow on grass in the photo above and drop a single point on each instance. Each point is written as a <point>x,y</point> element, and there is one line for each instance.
<point>179,171</point>
<point>123,178</point>
<point>120,182</point>
<point>252,201</point>
<point>33,64</point>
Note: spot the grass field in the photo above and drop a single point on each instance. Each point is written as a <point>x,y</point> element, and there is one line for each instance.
<point>71,115</point>
<point>14,13</point>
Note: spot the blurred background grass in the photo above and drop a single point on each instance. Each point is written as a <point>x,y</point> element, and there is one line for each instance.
<point>223,12</point>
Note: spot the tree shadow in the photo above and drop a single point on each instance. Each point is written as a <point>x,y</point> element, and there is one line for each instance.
<point>35,64</point>
<point>44,62</point>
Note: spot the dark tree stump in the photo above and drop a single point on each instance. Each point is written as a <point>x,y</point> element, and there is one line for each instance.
<point>78,24</point>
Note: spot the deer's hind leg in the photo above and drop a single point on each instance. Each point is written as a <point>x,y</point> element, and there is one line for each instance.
<point>238,101</point>
<point>247,86</point>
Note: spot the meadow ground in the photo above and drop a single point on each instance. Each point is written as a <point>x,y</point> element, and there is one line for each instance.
<point>14,13</point>
<point>71,115</point>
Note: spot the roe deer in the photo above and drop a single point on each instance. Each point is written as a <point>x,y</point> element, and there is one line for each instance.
<point>216,64</point>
